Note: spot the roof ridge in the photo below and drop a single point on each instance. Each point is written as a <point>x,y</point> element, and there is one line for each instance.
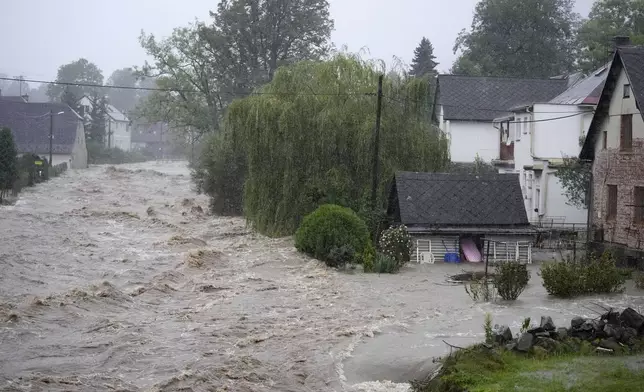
<point>505,77</point>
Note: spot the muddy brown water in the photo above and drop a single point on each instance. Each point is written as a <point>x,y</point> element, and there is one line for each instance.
<point>98,292</point>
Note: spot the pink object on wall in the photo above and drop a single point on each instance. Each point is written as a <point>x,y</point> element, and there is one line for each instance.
<point>470,251</point>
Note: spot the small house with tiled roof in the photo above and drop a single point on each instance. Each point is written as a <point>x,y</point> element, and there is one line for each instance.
<point>468,105</point>
<point>32,123</point>
<point>615,146</point>
<point>445,212</point>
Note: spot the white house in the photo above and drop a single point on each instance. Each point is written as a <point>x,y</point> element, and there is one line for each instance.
<point>541,135</point>
<point>118,132</point>
<point>31,124</point>
<point>467,107</point>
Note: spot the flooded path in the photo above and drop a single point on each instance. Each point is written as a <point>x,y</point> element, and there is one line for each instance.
<point>117,279</point>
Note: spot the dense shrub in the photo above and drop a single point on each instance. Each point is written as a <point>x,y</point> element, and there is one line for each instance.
<point>385,264</point>
<point>592,276</point>
<point>511,279</point>
<point>481,290</point>
<point>341,256</point>
<point>396,242</point>
<point>98,154</point>
<point>330,228</point>
<point>367,258</point>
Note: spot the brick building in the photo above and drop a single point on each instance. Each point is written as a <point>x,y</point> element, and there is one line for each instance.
<point>615,145</point>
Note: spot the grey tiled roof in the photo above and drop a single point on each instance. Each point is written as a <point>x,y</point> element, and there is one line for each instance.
<point>14,98</point>
<point>631,59</point>
<point>585,91</point>
<point>30,124</point>
<point>470,98</point>
<point>441,200</point>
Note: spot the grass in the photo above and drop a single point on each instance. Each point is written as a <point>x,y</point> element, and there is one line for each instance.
<point>480,370</point>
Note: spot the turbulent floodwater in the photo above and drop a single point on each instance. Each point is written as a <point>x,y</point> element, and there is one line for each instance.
<point>117,279</point>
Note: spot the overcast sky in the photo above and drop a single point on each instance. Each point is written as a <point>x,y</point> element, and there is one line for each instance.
<point>37,36</point>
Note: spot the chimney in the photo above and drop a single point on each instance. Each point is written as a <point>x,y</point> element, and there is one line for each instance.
<point>621,40</point>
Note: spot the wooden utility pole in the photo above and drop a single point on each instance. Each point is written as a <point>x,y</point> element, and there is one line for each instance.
<point>51,140</point>
<point>376,147</point>
<point>109,133</point>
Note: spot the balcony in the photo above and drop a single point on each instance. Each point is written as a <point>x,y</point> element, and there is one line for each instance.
<point>506,156</point>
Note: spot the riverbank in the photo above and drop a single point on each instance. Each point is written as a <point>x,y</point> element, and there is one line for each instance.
<point>481,369</point>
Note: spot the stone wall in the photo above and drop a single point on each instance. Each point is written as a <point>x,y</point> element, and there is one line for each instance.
<point>626,170</point>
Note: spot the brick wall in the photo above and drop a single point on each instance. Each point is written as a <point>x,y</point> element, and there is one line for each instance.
<point>626,170</point>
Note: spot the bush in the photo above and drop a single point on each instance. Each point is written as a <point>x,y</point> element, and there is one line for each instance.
<point>511,279</point>
<point>481,290</point>
<point>331,227</point>
<point>593,276</point>
<point>367,258</point>
<point>639,280</point>
<point>98,155</point>
<point>339,257</point>
<point>385,264</point>
<point>396,242</point>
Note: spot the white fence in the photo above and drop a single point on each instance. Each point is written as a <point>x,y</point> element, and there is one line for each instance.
<point>430,251</point>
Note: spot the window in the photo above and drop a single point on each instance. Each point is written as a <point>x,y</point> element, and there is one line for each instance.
<point>627,91</point>
<point>517,133</point>
<point>626,132</point>
<point>525,127</point>
<point>638,198</point>
<point>604,140</point>
<point>611,205</point>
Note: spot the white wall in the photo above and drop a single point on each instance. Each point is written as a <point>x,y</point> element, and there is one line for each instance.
<point>121,135</point>
<point>559,137</point>
<point>468,138</point>
<point>555,203</point>
<point>620,105</point>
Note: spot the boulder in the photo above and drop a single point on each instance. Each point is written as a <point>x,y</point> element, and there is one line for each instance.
<point>611,318</point>
<point>502,334</point>
<point>547,323</point>
<point>524,344</point>
<point>610,344</point>
<point>542,335</point>
<point>536,330</point>
<point>630,318</point>
<point>628,336</point>
<point>610,331</point>
<point>511,346</point>
<point>549,344</point>
<point>577,322</point>
<point>562,333</point>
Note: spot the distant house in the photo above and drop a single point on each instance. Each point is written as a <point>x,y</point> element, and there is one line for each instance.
<point>540,136</point>
<point>14,98</point>
<point>152,138</point>
<point>615,145</point>
<point>467,107</point>
<point>444,211</point>
<point>31,123</point>
<point>117,125</point>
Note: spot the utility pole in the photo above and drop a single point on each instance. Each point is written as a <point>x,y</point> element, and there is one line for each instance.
<point>376,147</point>
<point>51,140</point>
<point>109,133</point>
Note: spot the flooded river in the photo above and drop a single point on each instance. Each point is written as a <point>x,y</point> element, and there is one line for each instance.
<point>117,279</point>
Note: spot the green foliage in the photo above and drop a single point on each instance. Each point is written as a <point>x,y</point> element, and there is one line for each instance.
<point>385,264</point>
<point>80,71</point>
<point>396,242</point>
<point>639,280</point>
<point>424,62</point>
<point>331,228</point>
<point>341,256</point>
<point>525,326</point>
<point>608,19</point>
<point>98,154</point>
<point>367,258</point>
<point>511,279</point>
<point>481,290</point>
<point>306,140</point>
<point>8,160</point>
<point>574,176</point>
<point>593,276</point>
<point>124,100</point>
<point>512,37</point>
<point>487,328</point>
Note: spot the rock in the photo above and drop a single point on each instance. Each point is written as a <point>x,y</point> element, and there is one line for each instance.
<point>562,333</point>
<point>610,344</point>
<point>610,331</point>
<point>511,346</point>
<point>549,344</point>
<point>524,344</point>
<point>536,330</point>
<point>542,335</point>
<point>547,323</point>
<point>577,322</point>
<point>588,325</point>
<point>150,211</point>
<point>611,318</point>
<point>502,334</point>
<point>630,318</point>
<point>628,336</point>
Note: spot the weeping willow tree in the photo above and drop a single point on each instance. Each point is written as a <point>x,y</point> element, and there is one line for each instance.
<point>307,138</point>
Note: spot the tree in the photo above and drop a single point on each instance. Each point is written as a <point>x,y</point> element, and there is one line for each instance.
<point>80,71</point>
<point>515,37</point>
<point>574,176</point>
<point>39,94</point>
<point>14,87</point>
<point>124,100</point>
<point>290,150</point>
<point>96,130</point>
<point>424,62</point>
<point>608,19</point>
<point>8,161</point>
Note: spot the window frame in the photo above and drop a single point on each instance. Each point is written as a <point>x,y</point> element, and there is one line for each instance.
<point>627,91</point>
<point>638,205</point>
<point>612,195</point>
<point>604,140</point>
<point>626,132</point>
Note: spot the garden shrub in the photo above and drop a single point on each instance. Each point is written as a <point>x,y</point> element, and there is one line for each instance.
<point>385,264</point>
<point>341,256</point>
<point>639,280</point>
<point>481,290</point>
<point>511,279</point>
<point>367,258</point>
<point>329,228</point>
<point>593,276</point>
<point>396,242</point>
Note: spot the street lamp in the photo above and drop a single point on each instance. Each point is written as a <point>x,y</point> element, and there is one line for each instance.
<point>51,136</point>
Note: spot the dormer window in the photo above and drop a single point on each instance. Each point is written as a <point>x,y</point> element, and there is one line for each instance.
<point>627,91</point>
